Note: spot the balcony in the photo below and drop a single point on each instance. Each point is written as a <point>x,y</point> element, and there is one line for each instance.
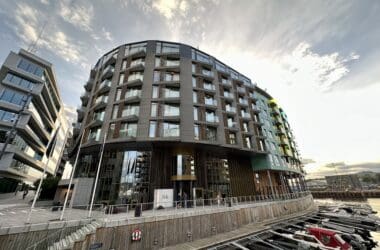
<point>76,129</point>
<point>136,65</point>
<point>207,73</point>
<point>80,112</point>
<point>132,96</point>
<point>240,89</point>
<point>228,95</point>
<point>85,97</point>
<point>104,86</point>
<point>245,115</point>
<point>212,118</point>
<point>243,102</point>
<point>111,59</point>
<point>211,102</point>
<point>226,82</point>
<point>231,110</point>
<point>89,84</point>
<point>108,71</point>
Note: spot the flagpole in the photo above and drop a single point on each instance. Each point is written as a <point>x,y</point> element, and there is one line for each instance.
<point>97,177</point>
<point>71,178</point>
<point>43,174</point>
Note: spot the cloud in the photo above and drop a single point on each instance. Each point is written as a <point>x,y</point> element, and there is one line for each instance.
<point>166,7</point>
<point>78,15</point>
<point>342,168</point>
<point>304,65</point>
<point>44,34</point>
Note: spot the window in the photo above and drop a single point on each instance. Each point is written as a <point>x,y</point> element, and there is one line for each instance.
<point>229,108</point>
<point>121,78</point>
<point>155,92</point>
<point>16,80</point>
<point>211,133</point>
<point>111,131</point>
<point>157,61</point>
<point>194,68</point>
<point>94,134</point>
<point>220,67</point>
<point>195,114</point>
<point>134,48</point>
<point>124,65</point>
<point>248,142</point>
<point>194,82</point>
<point>130,110</point>
<point>99,115</point>
<point>7,116</point>
<point>195,97</point>
<point>30,67</point>
<point>196,132</point>
<point>118,95</point>
<point>115,111</point>
<point>199,56</point>
<point>138,61</point>
<point>153,111</point>
<point>230,122</point>
<point>207,72</point>
<point>232,138</point>
<point>13,97</point>
<point>171,110</point>
<point>171,76</point>
<point>152,128</point>
<point>156,76</point>
<point>245,126</point>
<point>261,145</point>
<point>136,76</point>
<point>133,92</point>
<point>208,85</point>
<point>101,98</point>
<point>171,92</point>
<point>211,116</point>
<point>128,130</point>
<point>209,100</point>
<point>171,62</point>
<point>162,48</point>
<point>171,129</point>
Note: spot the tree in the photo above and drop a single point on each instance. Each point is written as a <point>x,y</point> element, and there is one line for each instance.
<point>48,187</point>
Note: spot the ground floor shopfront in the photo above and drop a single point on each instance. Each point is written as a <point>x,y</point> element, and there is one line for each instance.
<point>132,174</point>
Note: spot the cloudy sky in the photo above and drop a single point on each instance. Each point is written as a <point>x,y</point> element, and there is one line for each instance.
<point>319,59</point>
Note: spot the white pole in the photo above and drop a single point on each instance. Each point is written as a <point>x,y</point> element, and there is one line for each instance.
<point>43,175</point>
<point>71,177</point>
<point>96,178</point>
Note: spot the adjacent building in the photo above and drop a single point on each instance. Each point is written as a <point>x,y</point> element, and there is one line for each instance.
<point>29,95</point>
<point>173,117</point>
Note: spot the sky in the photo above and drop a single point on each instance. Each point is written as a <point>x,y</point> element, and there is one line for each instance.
<point>319,59</point>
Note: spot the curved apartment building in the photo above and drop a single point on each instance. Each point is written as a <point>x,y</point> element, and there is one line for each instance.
<point>173,117</point>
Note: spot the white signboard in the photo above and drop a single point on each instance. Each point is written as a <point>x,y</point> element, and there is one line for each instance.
<point>163,197</point>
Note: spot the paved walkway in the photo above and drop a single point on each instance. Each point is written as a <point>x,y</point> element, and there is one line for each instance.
<point>236,234</point>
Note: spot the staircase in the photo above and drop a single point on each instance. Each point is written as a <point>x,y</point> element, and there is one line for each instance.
<point>79,235</point>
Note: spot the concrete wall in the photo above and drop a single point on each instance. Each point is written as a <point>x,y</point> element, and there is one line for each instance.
<point>163,232</point>
<point>81,191</point>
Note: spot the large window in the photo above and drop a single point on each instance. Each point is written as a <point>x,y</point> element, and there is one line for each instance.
<point>171,76</point>
<point>13,97</point>
<point>30,67</point>
<point>171,110</point>
<point>162,48</point>
<point>101,98</point>
<point>171,92</point>
<point>134,48</point>
<point>196,132</point>
<point>209,100</point>
<point>94,134</point>
<point>211,116</point>
<point>152,129</point>
<point>16,80</point>
<point>232,138</point>
<point>99,115</point>
<point>155,92</point>
<point>130,110</point>
<point>195,114</point>
<point>138,61</point>
<point>128,130</point>
<point>7,116</point>
<point>115,111</point>
<point>199,56</point>
<point>171,129</point>
<point>248,142</point>
<point>210,133</point>
<point>154,109</point>
<point>195,96</point>
<point>136,76</point>
<point>121,79</point>
<point>133,92</point>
